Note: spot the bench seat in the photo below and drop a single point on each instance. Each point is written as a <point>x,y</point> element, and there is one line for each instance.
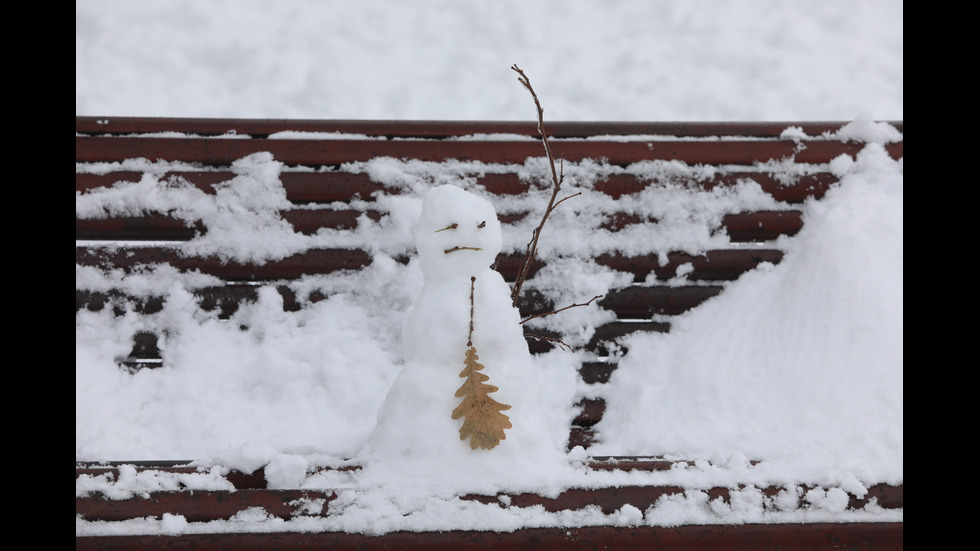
<point>323,194</point>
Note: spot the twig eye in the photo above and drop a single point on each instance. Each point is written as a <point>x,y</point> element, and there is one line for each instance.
<point>452,226</point>
<point>482,224</point>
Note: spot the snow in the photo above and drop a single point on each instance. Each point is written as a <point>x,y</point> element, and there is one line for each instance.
<point>808,368</point>
<point>464,302</point>
<point>800,363</point>
<point>442,59</point>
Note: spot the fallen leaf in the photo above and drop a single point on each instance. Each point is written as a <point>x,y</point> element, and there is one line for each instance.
<point>483,422</point>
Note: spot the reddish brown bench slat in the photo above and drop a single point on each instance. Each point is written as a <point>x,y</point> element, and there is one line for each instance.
<point>795,537</point>
<point>325,187</point>
<point>807,186</point>
<point>741,227</point>
<point>712,266</point>
<point>211,505</point>
<point>301,187</point>
<point>164,228</point>
<point>718,265</point>
<point>637,302</point>
<point>645,301</point>
<point>306,152</point>
<point>197,506</point>
<point>444,129</point>
<point>203,505</point>
<point>313,261</point>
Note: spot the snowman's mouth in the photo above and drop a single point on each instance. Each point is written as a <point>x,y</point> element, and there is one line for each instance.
<point>454,249</point>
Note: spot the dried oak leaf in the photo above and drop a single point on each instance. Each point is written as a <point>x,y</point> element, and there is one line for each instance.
<point>483,421</point>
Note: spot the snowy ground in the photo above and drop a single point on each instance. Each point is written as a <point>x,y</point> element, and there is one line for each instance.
<point>800,363</point>
<point>444,59</point>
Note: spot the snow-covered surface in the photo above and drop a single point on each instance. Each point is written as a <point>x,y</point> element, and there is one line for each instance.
<point>444,59</point>
<point>799,364</point>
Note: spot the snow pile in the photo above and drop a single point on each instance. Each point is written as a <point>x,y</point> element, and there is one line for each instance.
<point>242,215</point>
<point>802,361</point>
<point>293,382</point>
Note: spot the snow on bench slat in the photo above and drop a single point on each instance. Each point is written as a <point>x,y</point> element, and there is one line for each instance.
<point>219,152</point>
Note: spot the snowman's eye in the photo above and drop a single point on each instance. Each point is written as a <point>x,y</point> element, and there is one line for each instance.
<point>452,226</point>
<point>482,224</point>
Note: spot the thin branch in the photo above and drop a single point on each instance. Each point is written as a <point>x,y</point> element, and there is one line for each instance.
<point>561,344</point>
<point>532,246</point>
<point>561,309</point>
<point>567,198</point>
<point>469,338</point>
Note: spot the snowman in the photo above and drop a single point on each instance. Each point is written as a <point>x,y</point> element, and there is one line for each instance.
<point>464,350</point>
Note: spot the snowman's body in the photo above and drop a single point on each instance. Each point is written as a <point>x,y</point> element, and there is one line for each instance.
<point>458,239</point>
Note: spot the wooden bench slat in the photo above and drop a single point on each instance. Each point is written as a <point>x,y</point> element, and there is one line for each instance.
<point>150,227</point>
<point>300,187</point>
<point>92,125</point>
<point>806,186</point>
<point>596,372</point>
<point>198,505</point>
<point>591,411</point>
<point>741,227</point>
<point>715,265</point>
<point>226,300</point>
<point>747,227</point>
<point>635,302</point>
<point>210,505</point>
<point>608,333</point>
<point>223,152</point>
<point>158,227</point>
<point>610,499</point>
<point>328,187</point>
<point>257,481</point>
<point>859,536</point>
<point>644,301</point>
<point>311,262</point>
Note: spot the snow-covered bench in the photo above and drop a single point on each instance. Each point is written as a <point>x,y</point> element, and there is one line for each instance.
<point>204,244</point>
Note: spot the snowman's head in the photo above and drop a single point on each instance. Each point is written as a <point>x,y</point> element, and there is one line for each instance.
<point>457,234</point>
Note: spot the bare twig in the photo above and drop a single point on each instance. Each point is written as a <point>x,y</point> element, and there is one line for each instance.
<point>561,309</point>
<point>469,339</point>
<point>563,199</point>
<point>560,343</point>
<point>557,178</point>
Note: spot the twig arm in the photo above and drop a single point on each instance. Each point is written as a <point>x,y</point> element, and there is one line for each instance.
<point>561,309</point>
<point>557,179</point>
